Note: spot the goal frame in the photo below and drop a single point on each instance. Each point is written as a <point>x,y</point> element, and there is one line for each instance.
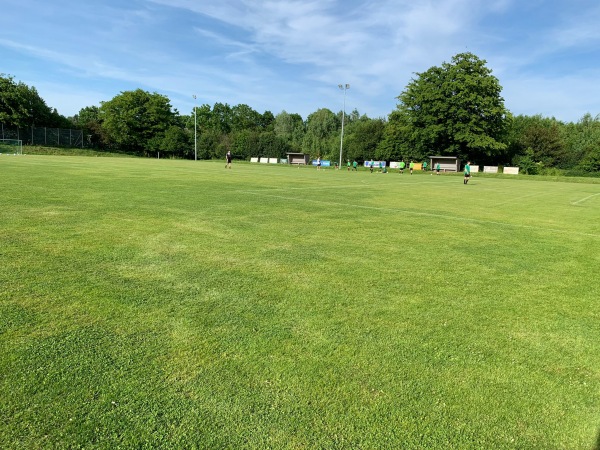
<point>17,144</point>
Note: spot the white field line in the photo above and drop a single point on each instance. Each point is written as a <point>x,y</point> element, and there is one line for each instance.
<point>512,200</point>
<point>425,214</point>
<point>319,188</point>
<point>584,199</point>
<point>359,185</point>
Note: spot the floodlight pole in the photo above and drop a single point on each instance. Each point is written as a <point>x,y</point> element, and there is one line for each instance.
<point>195,132</point>
<point>343,87</point>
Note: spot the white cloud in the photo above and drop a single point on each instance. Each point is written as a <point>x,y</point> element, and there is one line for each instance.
<point>292,54</point>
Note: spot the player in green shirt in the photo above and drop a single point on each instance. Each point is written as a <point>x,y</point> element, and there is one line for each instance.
<point>401,166</point>
<point>354,165</point>
<point>424,166</point>
<point>437,168</point>
<point>348,165</point>
<point>411,166</point>
<point>467,172</point>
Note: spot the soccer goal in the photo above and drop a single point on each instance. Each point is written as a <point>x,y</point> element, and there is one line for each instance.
<point>11,146</point>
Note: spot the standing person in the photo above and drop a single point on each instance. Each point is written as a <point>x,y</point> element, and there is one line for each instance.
<point>348,165</point>
<point>354,165</point>
<point>411,166</point>
<point>467,172</point>
<point>402,165</point>
<point>424,166</point>
<point>371,165</point>
<point>319,163</point>
<point>380,166</point>
<point>437,168</point>
<point>228,159</point>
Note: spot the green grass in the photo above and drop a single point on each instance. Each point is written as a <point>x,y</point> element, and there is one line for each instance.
<point>176,304</point>
<point>71,151</point>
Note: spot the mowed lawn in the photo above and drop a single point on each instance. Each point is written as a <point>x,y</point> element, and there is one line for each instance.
<point>176,304</point>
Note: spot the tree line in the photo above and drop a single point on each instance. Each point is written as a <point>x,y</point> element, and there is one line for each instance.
<point>455,109</point>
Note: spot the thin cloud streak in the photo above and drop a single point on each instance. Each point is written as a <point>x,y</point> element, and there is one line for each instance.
<point>291,55</point>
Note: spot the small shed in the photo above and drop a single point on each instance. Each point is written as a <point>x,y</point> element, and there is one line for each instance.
<point>447,163</point>
<point>297,158</point>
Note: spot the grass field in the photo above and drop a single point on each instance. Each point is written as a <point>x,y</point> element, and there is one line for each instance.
<point>176,304</point>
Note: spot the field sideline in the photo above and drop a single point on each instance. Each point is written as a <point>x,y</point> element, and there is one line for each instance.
<point>176,304</point>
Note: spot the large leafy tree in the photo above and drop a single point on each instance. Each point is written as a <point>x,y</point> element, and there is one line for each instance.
<point>396,141</point>
<point>173,142</point>
<point>267,121</point>
<point>582,140</point>
<point>208,142</point>
<point>537,142</point>
<point>455,109</point>
<point>361,138</point>
<point>88,119</point>
<point>134,119</point>
<point>21,106</point>
<point>244,118</point>
<point>290,129</point>
<point>244,143</point>
<point>221,118</point>
<point>271,145</point>
<point>321,138</point>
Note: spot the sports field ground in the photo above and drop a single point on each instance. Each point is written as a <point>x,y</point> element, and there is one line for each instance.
<point>176,304</point>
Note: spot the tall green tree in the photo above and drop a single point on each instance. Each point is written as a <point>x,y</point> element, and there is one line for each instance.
<point>583,141</point>
<point>133,119</point>
<point>88,119</point>
<point>208,142</point>
<point>272,146</point>
<point>267,121</point>
<point>362,138</point>
<point>173,142</point>
<point>244,143</point>
<point>397,141</point>
<point>244,118</point>
<point>203,118</point>
<point>537,138</point>
<point>21,106</point>
<point>221,118</point>
<point>321,138</point>
<point>290,129</point>
<point>455,109</point>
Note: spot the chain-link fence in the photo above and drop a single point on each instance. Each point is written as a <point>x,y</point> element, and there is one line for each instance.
<point>50,137</point>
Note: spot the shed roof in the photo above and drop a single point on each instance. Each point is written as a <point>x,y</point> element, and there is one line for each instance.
<point>444,157</point>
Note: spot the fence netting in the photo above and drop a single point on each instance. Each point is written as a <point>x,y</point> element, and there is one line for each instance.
<point>51,137</point>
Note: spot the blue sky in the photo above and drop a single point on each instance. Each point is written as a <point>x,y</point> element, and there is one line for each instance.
<point>291,54</point>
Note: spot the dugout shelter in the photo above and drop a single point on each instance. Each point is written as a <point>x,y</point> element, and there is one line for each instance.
<point>298,158</point>
<point>447,163</point>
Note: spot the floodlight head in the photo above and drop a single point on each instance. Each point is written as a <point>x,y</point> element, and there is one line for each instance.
<point>194,96</point>
<point>340,86</point>
<point>347,86</point>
